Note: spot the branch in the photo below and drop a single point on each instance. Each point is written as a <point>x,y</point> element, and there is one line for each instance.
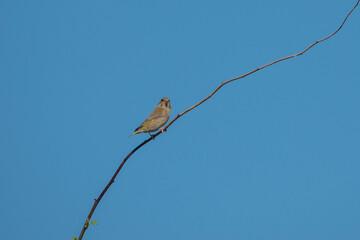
<point>259,68</point>
<point>112,180</point>
<point>97,200</point>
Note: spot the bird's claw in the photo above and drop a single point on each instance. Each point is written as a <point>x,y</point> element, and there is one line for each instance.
<point>163,130</point>
<point>153,138</point>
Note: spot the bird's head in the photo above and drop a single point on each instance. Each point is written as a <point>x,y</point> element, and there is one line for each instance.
<point>165,102</point>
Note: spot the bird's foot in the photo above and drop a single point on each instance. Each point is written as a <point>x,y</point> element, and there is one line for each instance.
<point>153,138</point>
<point>163,130</point>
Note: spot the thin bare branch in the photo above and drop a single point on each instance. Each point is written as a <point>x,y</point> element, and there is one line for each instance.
<point>112,180</point>
<point>97,200</point>
<point>262,67</point>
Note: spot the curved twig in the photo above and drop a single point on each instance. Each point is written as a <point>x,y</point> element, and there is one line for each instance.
<point>259,68</point>
<point>97,200</point>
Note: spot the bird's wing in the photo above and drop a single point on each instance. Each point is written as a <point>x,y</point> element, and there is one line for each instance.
<point>158,112</point>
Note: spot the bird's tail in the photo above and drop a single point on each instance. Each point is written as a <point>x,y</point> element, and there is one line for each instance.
<point>136,132</point>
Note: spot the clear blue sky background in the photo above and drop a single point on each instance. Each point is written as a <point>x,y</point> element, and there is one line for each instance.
<point>272,156</point>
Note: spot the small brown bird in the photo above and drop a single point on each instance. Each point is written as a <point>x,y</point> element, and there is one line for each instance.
<point>156,119</point>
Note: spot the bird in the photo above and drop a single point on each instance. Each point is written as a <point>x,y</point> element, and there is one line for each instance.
<point>159,116</point>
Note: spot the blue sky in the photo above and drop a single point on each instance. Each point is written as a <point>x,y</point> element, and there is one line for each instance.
<point>272,156</point>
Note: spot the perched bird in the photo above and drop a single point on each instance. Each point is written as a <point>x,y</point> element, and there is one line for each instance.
<point>156,119</point>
